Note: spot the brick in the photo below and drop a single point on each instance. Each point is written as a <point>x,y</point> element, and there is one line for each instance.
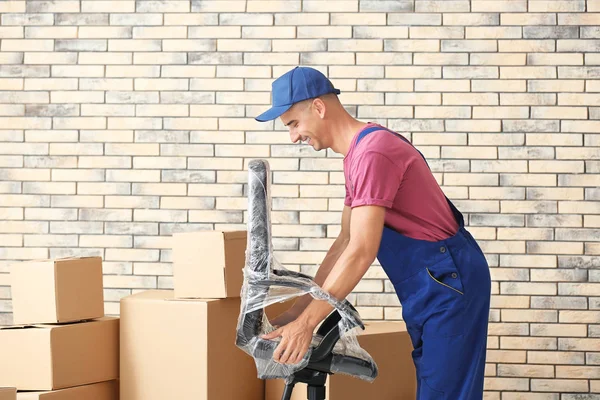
<point>27,45</point>
<point>24,123</point>
<point>104,32</point>
<point>12,110</point>
<point>107,6</point>
<point>559,385</point>
<point>581,372</point>
<point>442,112</point>
<point>570,316</point>
<point>578,19</point>
<point>371,18</point>
<point>79,19</point>
<point>470,45</point>
<point>317,32</point>
<point>10,6</point>
<point>557,330</point>
<point>570,45</point>
<point>49,58</point>
<point>408,45</point>
<point>215,32</point>
<point>343,45</point>
<point>554,194</point>
<point>161,58</point>
<point>515,99</point>
<point>130,71</point>
<point>133,19</point>
<point>496,193</point>
<point>386,6</point>
<point>134,123</point>
<point>589,99</point>
<point>76,97</point>
<point>134,45</point>
<point>528,343</point>
<point>186,97</point>
<point>274,6</point>
<point>470,72</point>
<point>244,45</point>
<point>556,6</point>
<point>530,371</point>
<point>555,86</point>
<point>78,71</point>
<point>243,19</point>
<point>162,6</point>
<point>50,32</point>
<point>98,84</point>
<point>528,72</point>
<point>13,84</point>
<point>559,112</point>
<point>80,45</point>
<point>326,58</point>
<point>528,18</point>
<point>162,32</point>
<point>446,6</point>
<point>502,112</point>
<point>28,19</point>
<point>497,59</point>
<point>45,6</point>
<point>526,46</point>
<point>500,32</point>
<point>555,357</point>
<point>106,136</point>
<point>330,6</point>
<point>471,18</point>
<point>412,19</point>
<point>493,383</point>
<point>499,85</point>
<point>550,32</point>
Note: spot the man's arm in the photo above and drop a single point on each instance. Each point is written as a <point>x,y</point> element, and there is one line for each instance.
<point>366,228</point>
<point>334,253</point>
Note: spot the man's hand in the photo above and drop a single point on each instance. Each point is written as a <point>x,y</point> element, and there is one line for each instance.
<point>296,338</point>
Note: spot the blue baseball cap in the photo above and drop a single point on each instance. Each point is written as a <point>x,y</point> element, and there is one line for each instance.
<point>301,83</point>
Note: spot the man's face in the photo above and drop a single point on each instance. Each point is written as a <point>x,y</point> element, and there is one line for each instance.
<point>303,123</point>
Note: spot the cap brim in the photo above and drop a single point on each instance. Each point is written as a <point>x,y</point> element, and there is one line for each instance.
<point>272,113</point>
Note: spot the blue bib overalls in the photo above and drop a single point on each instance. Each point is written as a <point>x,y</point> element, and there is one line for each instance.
<point>444,288</point>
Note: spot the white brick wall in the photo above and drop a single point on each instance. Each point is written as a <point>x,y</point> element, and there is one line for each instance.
<point>124,121</point>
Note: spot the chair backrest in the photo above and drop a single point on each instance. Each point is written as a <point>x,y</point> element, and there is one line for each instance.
<point>258,253</point>
<point>267,282</point>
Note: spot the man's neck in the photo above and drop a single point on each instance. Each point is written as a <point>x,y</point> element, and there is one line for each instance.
<point>343,132</point>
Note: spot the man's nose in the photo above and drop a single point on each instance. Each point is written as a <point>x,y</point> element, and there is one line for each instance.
<point>294,137</point>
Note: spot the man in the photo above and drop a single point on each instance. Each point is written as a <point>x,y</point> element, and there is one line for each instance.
<point>393,210</point>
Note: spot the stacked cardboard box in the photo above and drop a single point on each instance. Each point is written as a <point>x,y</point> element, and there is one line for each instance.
<point>61,343</point>
<point>181,344</point>
<point>8,393</point>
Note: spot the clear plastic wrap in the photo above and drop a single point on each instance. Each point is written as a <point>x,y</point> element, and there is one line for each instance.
<point>267,282</point>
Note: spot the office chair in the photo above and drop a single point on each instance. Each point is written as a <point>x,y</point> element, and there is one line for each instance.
<point>334,348</point>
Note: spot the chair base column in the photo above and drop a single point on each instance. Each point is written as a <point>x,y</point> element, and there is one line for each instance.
<point>314,379</point>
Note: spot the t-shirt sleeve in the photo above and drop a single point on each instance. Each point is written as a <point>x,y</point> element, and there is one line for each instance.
<point>376,180</point>
<point>347,199</point>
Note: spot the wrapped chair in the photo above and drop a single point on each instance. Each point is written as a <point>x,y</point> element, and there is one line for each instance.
<point>334,348</point>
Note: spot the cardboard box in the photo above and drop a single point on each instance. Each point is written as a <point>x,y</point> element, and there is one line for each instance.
<point>50,357</point>
<point>390,346</point>
<point>8,393</point>
<point>184,349</point>
<point>97,391</point>
<point>57,291</point>
<point>208,264</point>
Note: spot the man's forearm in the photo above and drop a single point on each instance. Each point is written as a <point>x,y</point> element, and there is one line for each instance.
<point>332,256</point>
<point>349,269</point>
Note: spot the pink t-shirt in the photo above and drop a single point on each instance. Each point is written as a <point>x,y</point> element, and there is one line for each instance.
<point>387,171</point>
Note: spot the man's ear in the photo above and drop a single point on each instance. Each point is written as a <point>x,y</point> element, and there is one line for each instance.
<point>320,107</point>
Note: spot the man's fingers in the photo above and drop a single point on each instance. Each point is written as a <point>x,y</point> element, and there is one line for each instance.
<point>280,348</point>
<point>287,353</point>
<point>272,335</point>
